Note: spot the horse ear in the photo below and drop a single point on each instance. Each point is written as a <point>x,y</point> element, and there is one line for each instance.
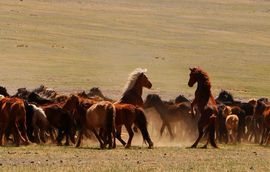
<point>190,69</point>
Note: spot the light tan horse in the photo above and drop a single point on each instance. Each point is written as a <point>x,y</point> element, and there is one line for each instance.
<point>101,116</point>
<point>231,124</point>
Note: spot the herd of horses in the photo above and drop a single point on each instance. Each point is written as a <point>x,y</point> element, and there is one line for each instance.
<point>42,114</point>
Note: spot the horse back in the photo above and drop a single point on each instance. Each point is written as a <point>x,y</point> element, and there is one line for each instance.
<point>98,114</point>
<point>125,113</point>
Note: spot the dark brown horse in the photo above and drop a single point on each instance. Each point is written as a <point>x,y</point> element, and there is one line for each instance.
<point>13,116</point>
<point>127,114</point>
<point>61,120</point>
<point>262,111</point>
<point>206,105</point>
<point>77,107</point>
<point>96,92</point>
<point>3,91</point>
<point>134,87</point>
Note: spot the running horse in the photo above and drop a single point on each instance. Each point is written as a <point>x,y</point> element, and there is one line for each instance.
<point>132,95</point>
<point>206,106</point>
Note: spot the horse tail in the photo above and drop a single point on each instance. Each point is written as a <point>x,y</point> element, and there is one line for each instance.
<point>212,131</point>
<point>141,122</point>
<point>110,122</point>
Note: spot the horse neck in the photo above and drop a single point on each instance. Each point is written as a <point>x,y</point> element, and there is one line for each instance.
<point>137,89</point>
<point>133,96</point>
<point>203,90</point>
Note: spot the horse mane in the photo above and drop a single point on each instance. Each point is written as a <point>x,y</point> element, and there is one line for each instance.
<point>204,76</point>
<point>39,109</point>
<point>133,76</point>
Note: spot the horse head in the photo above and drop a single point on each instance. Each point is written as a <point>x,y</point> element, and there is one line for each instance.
<point>259,109</point>
<point>71,103</point>
<point>95,91</point>
<point>192,77</point>
<point>143,79</point>
<point>227,110</point>
<point>3,91</point>
<point>152,100</point>
<point>225,96</point>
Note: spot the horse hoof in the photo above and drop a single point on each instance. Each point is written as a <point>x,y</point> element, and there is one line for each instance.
<point>102,146</point>
<point>204,147</point>
<point>26,143</point>
<point>193,146</point>
<point>127,146</point>
<point>59,144</point>
<point>66,144</point>
<point>151,145</point>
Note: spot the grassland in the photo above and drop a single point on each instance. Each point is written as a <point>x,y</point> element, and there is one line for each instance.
<point>76,44</point>
<point>71,45</point>
<point>89,158</point>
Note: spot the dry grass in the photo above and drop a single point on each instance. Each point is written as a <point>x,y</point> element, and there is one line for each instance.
<point>89,158</point>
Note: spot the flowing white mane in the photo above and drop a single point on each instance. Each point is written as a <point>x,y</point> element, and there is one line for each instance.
<point>133,76</point>
<point>38,110</point>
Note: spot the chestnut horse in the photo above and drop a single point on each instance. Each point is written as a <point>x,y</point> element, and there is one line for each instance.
<point>134,87</point>
<point>128,114</point>
<point>102,116</point>
<point>133,92</point>
<point>13,115</point>
<point>206,105</point>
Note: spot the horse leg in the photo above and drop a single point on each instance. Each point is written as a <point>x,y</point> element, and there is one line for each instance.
<point>268,136</point>
<point>108,137</point>
<point>199,137</point>
<point>207,140</point>
<point>80,136</point>
<point>170,130</point>
<point>235,136</point>
<point>162,128</point>
<point>52,136</point>
<point>59,137</point>
<point>24,134</point>
<point>67,133</point>
<point>2,133</point>
<point>102,135</point>
<point>113,135</point>
<point>99,139</point>
<point>263,133</point>
<point>118,135</point>
<point>16,134</point>
<point>131,134</point>
<point>42,135</point>
<point>37,135</point>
